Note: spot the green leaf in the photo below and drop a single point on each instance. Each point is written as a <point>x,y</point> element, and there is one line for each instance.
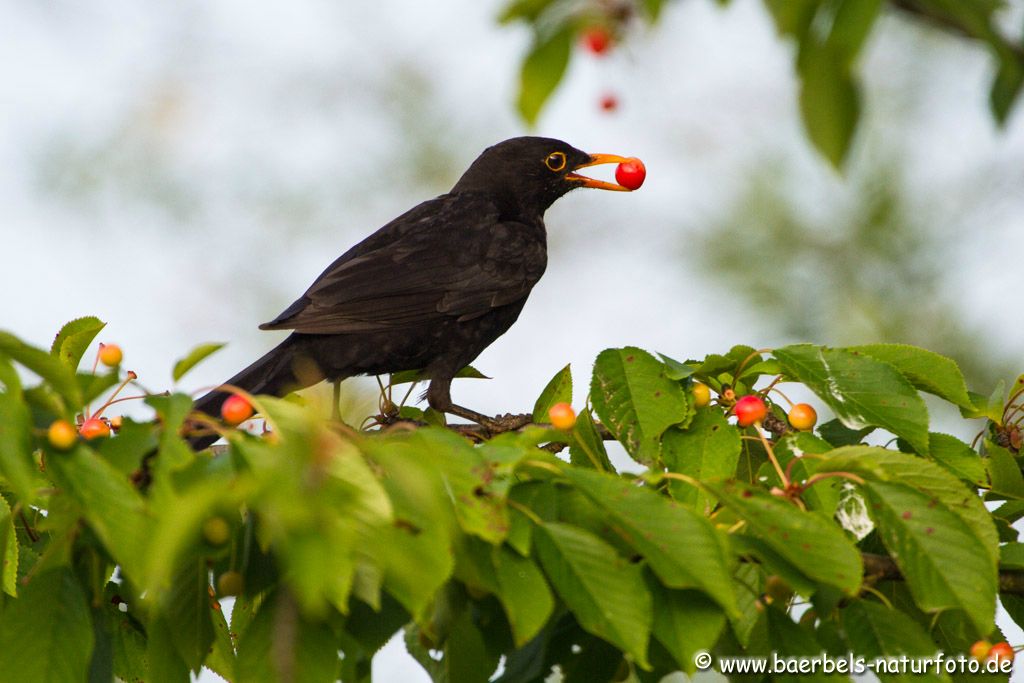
<point>164,662</point>
<point>50,368</point>
<point>586,449</point>
<point>792,17</point>
<point>526,10</point>
<point>823,496</point>
<point>110,504</point>
<point>74,338</point>
<point>708,449</point>
<point>809,541</point>
<point>944,564</point>
<point>685,622</point>
<point>186,609</point>
<point>605,592</point>
<point>542,71</point>
<point>676,370</point>
<point>523,592</point>
<point>466,655</point>
<point>1006,85</point>
<point>193,358</point>
<point>46,634</point>
<point>1011,556</point>
<point>558,390</point>
<point>682,547</point>
<point>926,370</point>
<point>829,100</point>
<point>305,652</point>
<point>860,390</point>
<point>957,457</point>
<point>880,464</point>
<point>636,400</point>
<point>877,631</point>
<point>17,465</point>
<point>1004,472</point>
<point>8,551</point>
<point>222,654</point>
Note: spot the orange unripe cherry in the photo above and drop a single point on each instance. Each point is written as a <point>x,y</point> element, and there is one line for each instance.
<point>701,394</point>
<point>94,428</point>
<point>802,417</point>
<point>236,409</point>
<point>562,416</point>
<point>61,435</point>
<point>110,355</point>
<point>979,651</point>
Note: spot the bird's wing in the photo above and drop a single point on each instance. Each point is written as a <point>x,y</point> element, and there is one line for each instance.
<point>445,259</point>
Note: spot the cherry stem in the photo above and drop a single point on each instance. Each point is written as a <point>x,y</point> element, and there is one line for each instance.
<point>127,380</point>
<point>771,387</point>
<point>974,441</point>
<point>516,505</point>
<point>771,455</point>
<point>878,594</point>
<point>814,479</point>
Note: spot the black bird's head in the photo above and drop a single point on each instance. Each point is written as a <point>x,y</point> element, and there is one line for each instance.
<point>527,174</point>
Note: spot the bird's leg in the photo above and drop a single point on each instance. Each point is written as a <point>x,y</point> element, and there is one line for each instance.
<point>439,398</point>
<point>336,403</point>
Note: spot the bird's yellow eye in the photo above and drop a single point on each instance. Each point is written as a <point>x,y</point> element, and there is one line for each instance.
<point>555,161</point>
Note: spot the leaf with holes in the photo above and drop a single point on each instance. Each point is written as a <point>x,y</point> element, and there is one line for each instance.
<point>636,400</point>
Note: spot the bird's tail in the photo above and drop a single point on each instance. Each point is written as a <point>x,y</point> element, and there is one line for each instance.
<point>277,373</point>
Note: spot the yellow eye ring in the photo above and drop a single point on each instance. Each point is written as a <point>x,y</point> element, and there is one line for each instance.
<point>555,161</point>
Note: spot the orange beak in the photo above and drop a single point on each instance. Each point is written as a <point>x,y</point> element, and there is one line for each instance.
<point>596,159</point>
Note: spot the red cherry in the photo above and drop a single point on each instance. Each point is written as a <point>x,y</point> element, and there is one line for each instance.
<point>802,417</point>
<point>562,416</point>
<point>597,39</point>
<point>94,428</point>
<point>749,409</point>
<point>631,173</point>
<point>1001,652</point>
<point>235,410</point>
<point>609,103</point>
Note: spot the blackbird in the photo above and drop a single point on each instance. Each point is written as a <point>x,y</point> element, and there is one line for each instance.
<point>431,289</point>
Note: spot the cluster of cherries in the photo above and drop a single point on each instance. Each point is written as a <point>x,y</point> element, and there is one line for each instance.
<point>63,435</point>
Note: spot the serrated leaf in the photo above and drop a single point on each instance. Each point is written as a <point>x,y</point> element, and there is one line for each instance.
<point>635,399</point>
<point>558,390</point>
<point>708,449</point>
<point>50,368</point>
<point>46,634</point>
<point>1006,86</point>
<point>860,390</point>
<point>677,370</point>
<point>875,630</point>
<point>193,358</point>
<point>542,71</point>
<point>523,592</point>
<point>926,370</point>
<point>957,457</point>
<point>809,541</point>
<point>681,546</point>
<point>880,464</point>
<point>222,654</point>
<point>605,592</point>
<point>944,564</point>
<point>74,338</point>
<point>1004,472</point>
